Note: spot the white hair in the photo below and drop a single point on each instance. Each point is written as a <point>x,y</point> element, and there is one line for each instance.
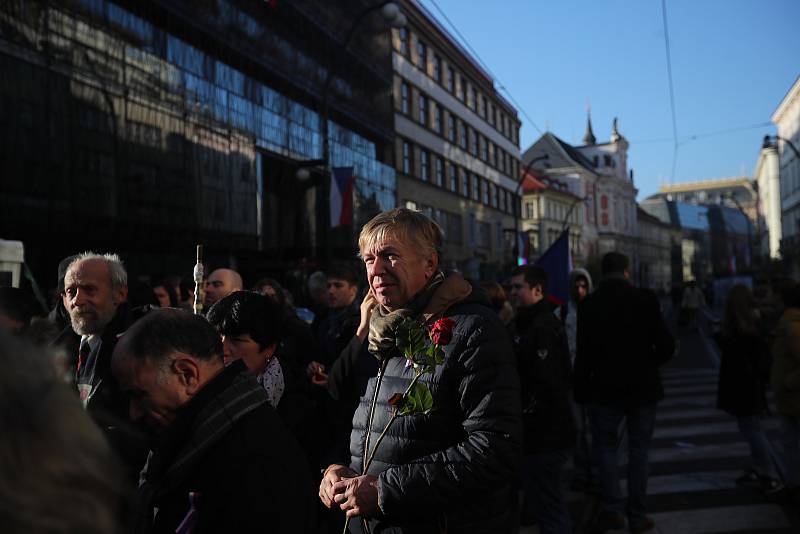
<point>116,270</point>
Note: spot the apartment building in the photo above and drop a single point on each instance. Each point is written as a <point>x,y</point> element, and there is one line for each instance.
<point>456,146</point>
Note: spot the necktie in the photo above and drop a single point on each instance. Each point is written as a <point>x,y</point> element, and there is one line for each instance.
<point>83,354</point>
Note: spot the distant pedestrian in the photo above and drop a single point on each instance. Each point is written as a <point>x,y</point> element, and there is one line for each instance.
<point>692,302</point>
<point>622,341</point>
<point>580,285</point>
<point>785,379</point>
<point>743,374</point>
<point>546,379</point>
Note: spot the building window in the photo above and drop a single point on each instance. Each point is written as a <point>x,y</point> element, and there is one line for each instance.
<point>492,112</point>
<point>439,171</point>
<point>484,105</point>
<point>437,117</point>
<point>473,98</point>
<point>451,80</point>
<point>493,193</point>
<point>492,154</point>
<point>594,160</point>
<point>462,132</point>
<point>404,41</point>
<point>453,178</point>
<point>604,202</point>
<point>484,235</point>
<point>422,56</point>
<point>504,162</point>
<point>485,192</point>
<point>484,149</point>
<point>464,182</point>
<point>476,187</point>
<point>423,110</point>
<point>437,68</point>
<point>406,158</point>
<point>502,200</point>
<point>460,88</point>
<point>529,210</point>
<point>405,101</point>
<point>423,165</point>
<point>473,142</point>
<point>451,128</point>
<point>454,230</point>
<point>606,160</point>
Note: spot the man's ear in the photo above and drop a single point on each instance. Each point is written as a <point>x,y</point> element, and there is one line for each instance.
<point>121,295</point>
<point>431,264</point>
<point>188,373</point>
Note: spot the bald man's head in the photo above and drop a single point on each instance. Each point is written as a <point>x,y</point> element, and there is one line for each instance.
<point>221,283</point>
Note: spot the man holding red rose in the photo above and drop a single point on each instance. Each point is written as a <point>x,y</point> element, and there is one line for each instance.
<point>450,468</point>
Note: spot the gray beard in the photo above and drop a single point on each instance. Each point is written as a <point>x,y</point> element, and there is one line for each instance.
<point>85,326</point>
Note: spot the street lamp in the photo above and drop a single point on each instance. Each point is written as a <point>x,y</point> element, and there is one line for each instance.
<point>394,18</point>
<point>575,202</point>
<point>518,212</point>
<point>768,140</point>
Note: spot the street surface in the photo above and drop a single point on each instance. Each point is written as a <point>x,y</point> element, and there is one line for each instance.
<point>696,455</point>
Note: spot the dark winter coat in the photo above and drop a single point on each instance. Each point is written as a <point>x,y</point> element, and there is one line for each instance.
<point>108,404</point>
<point>622,341</point>
<point>743,374</point>
<point>546,378</point>
<point>454,468</point>
<point>230,449</point>
<point>335,331</point>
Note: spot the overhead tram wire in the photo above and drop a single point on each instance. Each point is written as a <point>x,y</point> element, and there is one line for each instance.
<point>693,137</point>
<point>485,66</point>
<point>671,89</point>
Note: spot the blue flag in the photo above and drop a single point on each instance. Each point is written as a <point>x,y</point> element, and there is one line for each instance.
<point>557,263</point>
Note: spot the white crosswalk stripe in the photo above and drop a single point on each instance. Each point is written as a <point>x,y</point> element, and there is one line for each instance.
<point>696,456</point>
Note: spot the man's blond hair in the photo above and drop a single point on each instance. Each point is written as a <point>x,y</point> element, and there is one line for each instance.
<point>405,225</point>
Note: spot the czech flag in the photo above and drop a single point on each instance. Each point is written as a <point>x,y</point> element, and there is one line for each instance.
<point>557,263</point>
<point>342,182</point>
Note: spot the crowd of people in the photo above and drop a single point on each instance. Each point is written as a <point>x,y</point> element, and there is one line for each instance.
<point>411,401</point>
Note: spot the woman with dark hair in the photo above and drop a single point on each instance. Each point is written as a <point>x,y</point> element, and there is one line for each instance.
<point>743,374</point>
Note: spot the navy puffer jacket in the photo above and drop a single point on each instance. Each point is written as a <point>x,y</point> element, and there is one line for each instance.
<point>451,470</point>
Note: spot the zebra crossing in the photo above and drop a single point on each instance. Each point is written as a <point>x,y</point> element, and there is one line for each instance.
<point>696,455</point>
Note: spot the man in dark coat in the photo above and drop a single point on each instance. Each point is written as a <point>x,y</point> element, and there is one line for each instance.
<point>451,469</point>
<point>95,293</point>
<point>223,462</point>
<point>546,375</point>
<point>622,342</point>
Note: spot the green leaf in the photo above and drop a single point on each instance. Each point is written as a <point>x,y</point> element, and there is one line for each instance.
<point>439,355</point>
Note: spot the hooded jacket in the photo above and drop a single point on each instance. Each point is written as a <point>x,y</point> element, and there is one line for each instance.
<point>568,313</point>
<point>452,469</point>
<point>785,375</point>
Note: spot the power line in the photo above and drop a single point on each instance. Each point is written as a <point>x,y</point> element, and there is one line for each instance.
<point>692,137</point>
<point>485,66</point>
<point>671,90</point>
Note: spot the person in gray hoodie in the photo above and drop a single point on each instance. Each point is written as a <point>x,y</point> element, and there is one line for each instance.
<point>580,285</point>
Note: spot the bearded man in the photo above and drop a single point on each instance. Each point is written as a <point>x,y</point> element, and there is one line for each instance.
<point>95,296</point>
<point>452,468</point>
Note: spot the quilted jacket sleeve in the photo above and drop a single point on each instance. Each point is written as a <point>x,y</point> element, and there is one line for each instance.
<point>483,370</point>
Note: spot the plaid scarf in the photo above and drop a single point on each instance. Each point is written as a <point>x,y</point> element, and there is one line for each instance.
<point>194,433</point>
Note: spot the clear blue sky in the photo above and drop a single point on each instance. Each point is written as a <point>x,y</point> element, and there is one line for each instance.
<point>732,62</point>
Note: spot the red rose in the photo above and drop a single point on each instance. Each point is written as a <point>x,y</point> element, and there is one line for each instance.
<point>442,331</point>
